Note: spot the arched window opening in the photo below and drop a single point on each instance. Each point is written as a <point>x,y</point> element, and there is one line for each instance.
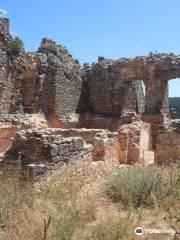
<point>141,93</point>
<point>174,98</point>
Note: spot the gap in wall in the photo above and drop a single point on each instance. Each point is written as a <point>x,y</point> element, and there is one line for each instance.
<point>174,98</point>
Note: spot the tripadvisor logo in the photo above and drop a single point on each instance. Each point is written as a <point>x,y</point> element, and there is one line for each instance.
<point>139,231</point>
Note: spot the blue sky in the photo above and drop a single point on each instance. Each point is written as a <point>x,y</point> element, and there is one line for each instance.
<point>92,28</point>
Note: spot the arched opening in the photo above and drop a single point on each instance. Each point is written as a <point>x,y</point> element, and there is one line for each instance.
<point>174,98</point>
<point>141,94</point>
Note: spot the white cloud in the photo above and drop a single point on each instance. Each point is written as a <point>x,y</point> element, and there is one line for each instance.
<point>3,12</point>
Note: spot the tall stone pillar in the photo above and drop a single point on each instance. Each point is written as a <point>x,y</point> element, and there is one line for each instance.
<point>129,98</point>
<point>156,99</point>
<point>156,105</point>
<point>5,36</point>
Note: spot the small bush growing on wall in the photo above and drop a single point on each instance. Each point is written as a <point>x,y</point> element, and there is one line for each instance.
<point>15,46</point>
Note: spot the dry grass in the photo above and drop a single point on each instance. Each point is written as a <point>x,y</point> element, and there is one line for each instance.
<point>138,188</point>
<point>66,208</point>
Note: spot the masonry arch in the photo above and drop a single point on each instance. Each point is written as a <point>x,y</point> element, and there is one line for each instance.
<point>140,93</point>
<point>174,98</point>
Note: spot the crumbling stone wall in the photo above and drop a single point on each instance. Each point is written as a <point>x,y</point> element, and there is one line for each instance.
<point>108,92</point>
<point>113,89</point>
<point>104,95</point>
<point>5,36</point>
<point>135,144</point>
<point>168,144</point>
<point>48,81</point>
<point>51,148</point>
<point>52,82</point>
<point>7,132</point>
<point>64,80</point>
<point>10,124</point>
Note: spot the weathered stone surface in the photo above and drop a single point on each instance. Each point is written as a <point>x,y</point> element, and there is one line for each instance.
<point>113,87</point>
<point>52,146</point>
<point>12,123</point>
<point>89,117</point>
<point>52,82</point>
<point>48,81</point>
<point>23,121</point>
<point>168,144</point>
<point>135,143</point>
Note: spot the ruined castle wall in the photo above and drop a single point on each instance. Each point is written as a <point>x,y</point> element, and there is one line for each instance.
<point>68,92</point>
<point>4,33</point>
<point>95,152</point>
<point>168,144</point>
<point>30,89</point>
<point>10,124</point>
<point>7,132</point>
<point>108,92</point>
<point>60,83</point>
<point>6,86</point>
<point>48,81</point>
<point>167,148</point>
<point>114,85</point>
<point>51,81</point>
<point>135,143</point>
<point>18,92</point>
<point>156,96</point>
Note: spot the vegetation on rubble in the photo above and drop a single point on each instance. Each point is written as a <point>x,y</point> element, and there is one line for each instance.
<point>15,46</point>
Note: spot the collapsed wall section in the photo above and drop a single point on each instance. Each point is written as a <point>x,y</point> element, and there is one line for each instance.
<point>10,124</point>
<point>6,88</point>
<point>65,82</point>
<point>135,144</point>
<point>48,81</point>
<point>168,144</point>
<point>92,153</point>
<point>111,92</point>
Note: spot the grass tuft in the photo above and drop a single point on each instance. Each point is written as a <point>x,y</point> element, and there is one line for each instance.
<point>143,187</point>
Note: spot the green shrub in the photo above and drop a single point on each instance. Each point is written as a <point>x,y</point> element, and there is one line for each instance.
<point>111,229</point>
<point>53,48</point>
<point>142,187</point>
<point>15,46</point>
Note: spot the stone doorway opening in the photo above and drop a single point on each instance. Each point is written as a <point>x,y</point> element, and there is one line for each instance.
<point>174,98</point>
<point>141,95</point>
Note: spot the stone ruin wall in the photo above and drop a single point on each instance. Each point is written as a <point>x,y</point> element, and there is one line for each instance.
<point>53,82</point>
<point>89,152</point>
<point>48,81</point>
<point>168,144</point>
<point>110,94</point>
<point>10,124</point>
<point>135,143</point>
<point>51,88</point>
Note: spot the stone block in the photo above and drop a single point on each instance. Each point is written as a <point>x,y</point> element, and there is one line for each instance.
<point>63,149</point>
<point>78,144</point>
<point>54,150</point>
